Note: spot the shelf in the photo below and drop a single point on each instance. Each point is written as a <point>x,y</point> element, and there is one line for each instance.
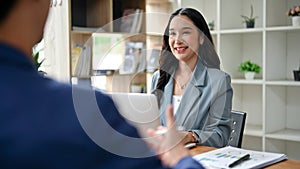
<point>283,83</point>
<point>283,28</point>
<point>247,82</point>
<point>253,130</point>
<point>158,2</point>
<point>287,134</point>
<point>154,34</point>
<point>85,30</point>
<point>214,32</point>
<point>235,31</point>
<point>82,32</point>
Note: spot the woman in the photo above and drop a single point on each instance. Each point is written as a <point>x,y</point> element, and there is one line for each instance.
<point>189,77</point>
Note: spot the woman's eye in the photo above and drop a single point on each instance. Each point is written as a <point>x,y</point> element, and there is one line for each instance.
<point>186,33</point>
<point>172,33</point>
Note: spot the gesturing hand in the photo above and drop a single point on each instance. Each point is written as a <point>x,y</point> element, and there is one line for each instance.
<point>168,141</point>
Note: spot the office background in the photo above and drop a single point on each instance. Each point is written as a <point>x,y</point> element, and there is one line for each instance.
<point>271,100</point>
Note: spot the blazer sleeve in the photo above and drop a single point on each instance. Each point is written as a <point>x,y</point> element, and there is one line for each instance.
<point>217,129</point>
<point>154,81</point>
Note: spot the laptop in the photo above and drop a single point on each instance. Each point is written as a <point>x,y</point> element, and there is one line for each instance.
<point>139,109</point>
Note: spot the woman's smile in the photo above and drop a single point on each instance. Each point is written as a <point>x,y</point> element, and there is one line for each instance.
<point>180,50</point>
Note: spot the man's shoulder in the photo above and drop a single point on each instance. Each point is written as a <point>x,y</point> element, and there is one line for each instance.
<point>74,94</point>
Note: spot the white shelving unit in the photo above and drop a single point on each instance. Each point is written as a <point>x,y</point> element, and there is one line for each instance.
<point>272,100</point>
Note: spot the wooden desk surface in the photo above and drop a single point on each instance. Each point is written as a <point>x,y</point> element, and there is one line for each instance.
<point>286,164</point>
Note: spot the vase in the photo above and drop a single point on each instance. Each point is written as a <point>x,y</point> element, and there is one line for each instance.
<point>136,88</point>
<point>249,75</point>
<point>296,75</point>
<point>250,24</point>
<point>296,21</point>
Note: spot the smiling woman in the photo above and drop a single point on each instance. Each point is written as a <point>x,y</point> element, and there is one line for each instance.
<point>189,77</point>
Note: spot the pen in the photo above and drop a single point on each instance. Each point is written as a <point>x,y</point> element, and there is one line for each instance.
<point>240,160</point>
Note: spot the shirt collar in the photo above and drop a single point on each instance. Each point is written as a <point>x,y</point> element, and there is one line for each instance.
<point>14,57</point>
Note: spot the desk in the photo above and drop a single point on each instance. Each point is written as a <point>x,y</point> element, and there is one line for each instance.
<point>286,164</point>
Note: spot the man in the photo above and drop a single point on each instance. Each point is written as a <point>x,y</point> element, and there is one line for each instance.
<point>45,124</point>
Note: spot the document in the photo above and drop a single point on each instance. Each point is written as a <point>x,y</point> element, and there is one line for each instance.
<point>223,157</point>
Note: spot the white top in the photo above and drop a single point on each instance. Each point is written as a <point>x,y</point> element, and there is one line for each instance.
<point>176,101</point>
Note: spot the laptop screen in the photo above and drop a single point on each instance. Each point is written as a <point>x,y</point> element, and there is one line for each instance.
<point>139,109</point>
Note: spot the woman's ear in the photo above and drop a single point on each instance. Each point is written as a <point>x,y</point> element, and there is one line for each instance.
<point>201,38</point>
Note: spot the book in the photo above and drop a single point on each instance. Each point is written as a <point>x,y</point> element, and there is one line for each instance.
<point>76,51</point>
<point>223,157</point>
<point>140,22</point>
<point>88,29</point>
<point>127,20</point>
<point>137,21</point>
<point>83,65</point>
<point>142,63</point>
<point>131,21</point>
<point>153,61</point>
<point>132,58</point>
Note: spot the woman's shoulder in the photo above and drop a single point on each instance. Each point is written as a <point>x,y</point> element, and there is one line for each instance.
<point>155,75</point>
<point>217,73</point>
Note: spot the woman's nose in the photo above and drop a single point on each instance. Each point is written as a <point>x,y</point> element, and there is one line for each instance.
<point>178,39</point>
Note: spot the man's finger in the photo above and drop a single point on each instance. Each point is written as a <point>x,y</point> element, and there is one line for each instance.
<point>170,117</point>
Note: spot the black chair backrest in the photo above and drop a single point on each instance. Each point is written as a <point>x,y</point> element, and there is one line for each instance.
<point>237,131</point>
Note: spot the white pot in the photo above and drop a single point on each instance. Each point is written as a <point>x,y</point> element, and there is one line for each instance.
<point>136,88</point>
<point>296,21</point>
<point>249,75</point>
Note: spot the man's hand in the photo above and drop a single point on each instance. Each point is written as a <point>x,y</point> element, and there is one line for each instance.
<point>169,143</point>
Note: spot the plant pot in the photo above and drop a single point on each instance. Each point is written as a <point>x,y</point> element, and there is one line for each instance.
<point>250,24</point>
<point>249,75</point>
<point>136,88</point>
<point>296,75</point>
<point>296,21</point>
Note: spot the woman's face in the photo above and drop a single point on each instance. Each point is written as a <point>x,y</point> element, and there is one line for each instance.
<point>184,38</point>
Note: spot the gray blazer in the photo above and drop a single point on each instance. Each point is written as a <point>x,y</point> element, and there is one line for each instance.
<point>205,107</point>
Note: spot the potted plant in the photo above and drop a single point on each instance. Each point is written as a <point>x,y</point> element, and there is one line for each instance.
<point>295,14</point>
<point>211,25</point>
<point>250,21</point>
<point>38,62</point>
<point>250,69</point>
<point>297,73</point>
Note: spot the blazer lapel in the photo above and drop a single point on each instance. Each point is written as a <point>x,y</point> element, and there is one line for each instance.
<point>168,94</point>
<point>191,95</point>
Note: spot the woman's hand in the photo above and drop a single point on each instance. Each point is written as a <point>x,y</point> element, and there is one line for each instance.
<point>188,137</point>
<point>169,143</point>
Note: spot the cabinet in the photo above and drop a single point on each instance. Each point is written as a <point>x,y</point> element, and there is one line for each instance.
<point>104,18</point>
<point>271,100</point>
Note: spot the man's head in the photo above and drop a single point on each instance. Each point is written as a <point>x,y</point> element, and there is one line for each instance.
<point>5,8</point>
<point>22,22</point>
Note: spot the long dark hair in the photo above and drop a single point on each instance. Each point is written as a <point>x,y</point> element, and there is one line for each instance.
<point>5,8</point>
<point>206,53</point>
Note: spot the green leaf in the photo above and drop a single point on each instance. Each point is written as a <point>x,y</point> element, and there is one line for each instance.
<point>248,66</point>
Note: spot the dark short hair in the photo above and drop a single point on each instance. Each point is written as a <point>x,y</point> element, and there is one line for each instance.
<point>5,8</point>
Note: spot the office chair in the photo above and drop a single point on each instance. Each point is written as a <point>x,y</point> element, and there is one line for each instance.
<point>237,131</point>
